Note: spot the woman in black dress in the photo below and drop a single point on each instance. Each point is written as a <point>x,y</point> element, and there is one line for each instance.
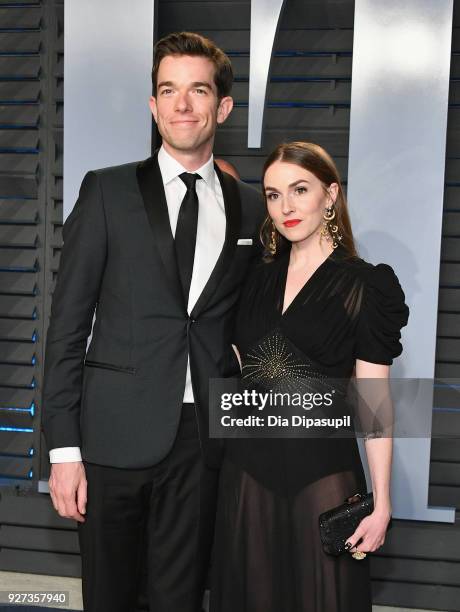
<point>313,307</point>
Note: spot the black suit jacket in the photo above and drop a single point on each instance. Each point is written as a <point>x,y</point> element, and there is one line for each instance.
<point>121,404</point>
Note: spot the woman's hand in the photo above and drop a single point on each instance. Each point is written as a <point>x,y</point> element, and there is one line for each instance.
<point>370,533</point>
<point>372,530</point>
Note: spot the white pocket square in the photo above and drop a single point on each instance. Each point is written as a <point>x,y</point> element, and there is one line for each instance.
<point>244,241</point>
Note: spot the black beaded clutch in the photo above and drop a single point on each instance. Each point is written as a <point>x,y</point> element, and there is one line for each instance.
<point>338,524</point>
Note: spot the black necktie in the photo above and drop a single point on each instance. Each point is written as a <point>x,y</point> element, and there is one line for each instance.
<point>185,238</point>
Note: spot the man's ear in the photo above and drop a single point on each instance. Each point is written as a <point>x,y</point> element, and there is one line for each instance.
<point>153,107</point>
<point>224,109</point>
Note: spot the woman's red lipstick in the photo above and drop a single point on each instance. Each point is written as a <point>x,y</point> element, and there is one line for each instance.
<point>291,222</point>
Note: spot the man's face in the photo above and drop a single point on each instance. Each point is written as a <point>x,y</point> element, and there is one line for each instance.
<point>186,107</point>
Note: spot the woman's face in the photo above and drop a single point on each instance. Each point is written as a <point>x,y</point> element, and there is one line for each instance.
<point>296,200</point>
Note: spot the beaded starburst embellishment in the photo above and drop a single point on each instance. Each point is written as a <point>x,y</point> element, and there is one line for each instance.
<point>274,363</point>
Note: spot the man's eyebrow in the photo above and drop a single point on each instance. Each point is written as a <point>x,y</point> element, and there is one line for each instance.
<point>194,84</point>
<point>201,84</point>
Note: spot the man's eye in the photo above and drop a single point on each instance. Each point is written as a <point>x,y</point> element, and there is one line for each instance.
<point>166,91</point>
<point>272,196</point>
<point>200,91</point>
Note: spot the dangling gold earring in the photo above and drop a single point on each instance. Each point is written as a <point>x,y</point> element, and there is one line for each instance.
<point>328,230</point>
<point>272,245</point>
<point>328,215</point>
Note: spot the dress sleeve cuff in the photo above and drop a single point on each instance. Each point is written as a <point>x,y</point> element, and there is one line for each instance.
<point>65,454</point>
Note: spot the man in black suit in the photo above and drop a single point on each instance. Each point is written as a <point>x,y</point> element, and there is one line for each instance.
<point>159,250</point>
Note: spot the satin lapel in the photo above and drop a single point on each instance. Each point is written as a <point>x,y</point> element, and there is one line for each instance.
<point>153,193</point>
<point>232,203</point>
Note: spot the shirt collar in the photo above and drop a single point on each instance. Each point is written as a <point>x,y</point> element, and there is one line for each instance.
<point>170,168</point>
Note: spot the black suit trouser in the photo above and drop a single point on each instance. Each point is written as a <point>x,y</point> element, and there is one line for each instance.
<point>154,522</point>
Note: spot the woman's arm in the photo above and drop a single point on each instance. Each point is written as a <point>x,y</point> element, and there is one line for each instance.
<point>379,456</point>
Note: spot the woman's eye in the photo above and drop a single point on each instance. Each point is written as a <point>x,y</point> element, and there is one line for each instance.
<point>301,190</point>
<point>272,196</point>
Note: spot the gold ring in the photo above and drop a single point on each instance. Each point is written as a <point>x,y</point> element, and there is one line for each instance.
<point>359,555</point>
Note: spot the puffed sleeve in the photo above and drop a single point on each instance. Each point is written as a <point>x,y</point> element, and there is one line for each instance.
<point>382,314</point>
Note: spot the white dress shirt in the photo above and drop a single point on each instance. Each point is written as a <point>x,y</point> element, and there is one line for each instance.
<point>209,243</point>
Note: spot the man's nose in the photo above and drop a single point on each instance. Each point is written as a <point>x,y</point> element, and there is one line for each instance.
<point>183,102</point>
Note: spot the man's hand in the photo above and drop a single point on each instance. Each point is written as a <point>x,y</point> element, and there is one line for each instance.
<point>67,486</point>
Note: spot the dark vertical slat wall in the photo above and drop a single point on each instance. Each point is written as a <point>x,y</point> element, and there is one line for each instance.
<point>308,99</point>
<point>32,537</point>
<point>22,235</point>
<point>445,450</point>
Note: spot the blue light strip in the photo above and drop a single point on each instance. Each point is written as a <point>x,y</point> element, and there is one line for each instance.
<point>17,197</point>
<point>294,53</point>
<point>17,292</point>
<point>13,478</point>
<point>299,104</point>
<point>447,385</point>
<point>12,77</point>
<point>32,340</point>
<point>13,409</point>
<point>19,53</point>
<point>32,385</point>
<point>32,317</point>
<point>18,269</point>
<point>6,30</point>
<point>19,102</point>
<point>30,410</point>
<point>32,151</point>
<point>297,79</point>
<point>21,5</point>
<point>440,409</point>
<point>16,456</point>
<point>17,429</point>
<point>313,54</point>
<point>23,126</point>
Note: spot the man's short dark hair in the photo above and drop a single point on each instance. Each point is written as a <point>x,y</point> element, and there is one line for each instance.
<point>190,43</point>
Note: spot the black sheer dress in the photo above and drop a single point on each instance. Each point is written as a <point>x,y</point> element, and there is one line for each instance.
<point>268,555</point>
